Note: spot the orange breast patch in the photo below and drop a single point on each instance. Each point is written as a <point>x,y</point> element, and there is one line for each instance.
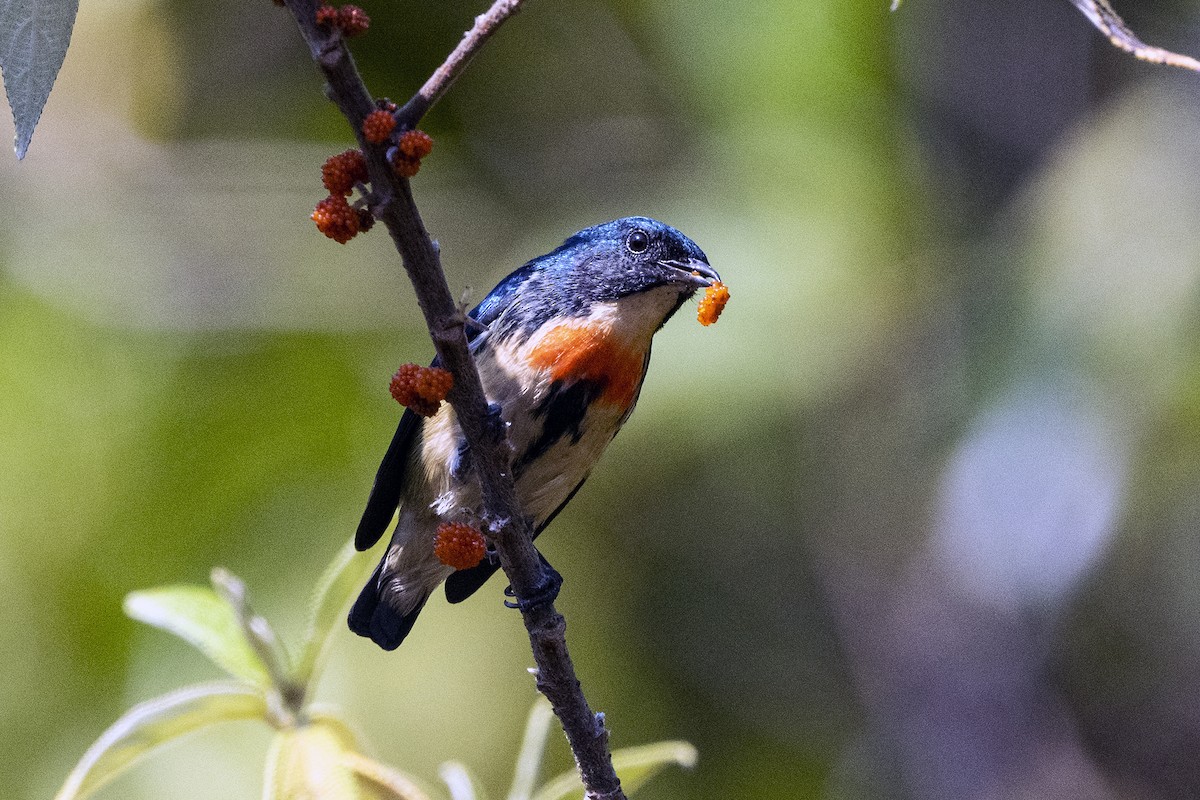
<point>588,352</point>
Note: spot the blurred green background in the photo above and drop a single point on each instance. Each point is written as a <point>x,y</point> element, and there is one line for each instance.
<point>917,519</point>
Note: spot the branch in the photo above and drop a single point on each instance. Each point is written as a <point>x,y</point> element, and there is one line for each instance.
<point>1101,14</point>
<point>392,204</point>
<point>445,75</point>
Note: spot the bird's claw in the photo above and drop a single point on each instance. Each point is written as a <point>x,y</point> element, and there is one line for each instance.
<point>542,595</point>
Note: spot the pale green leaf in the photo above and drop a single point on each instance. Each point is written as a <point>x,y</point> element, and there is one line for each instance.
<point>306,763</point>
<point>201,618</point>
<point>154,723</point>
<point>529,760</point>
<point>375,780</point>
<point>34,35</point>
<point>329,716</point>
<point>1101,14</point>
<point>634,765</point>
<point>637,765</point>
<point>342,579</point>
<point>382,781</point>
<point>463,785</point>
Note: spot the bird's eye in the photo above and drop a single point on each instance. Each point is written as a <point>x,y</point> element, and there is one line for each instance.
<point>638,241</point>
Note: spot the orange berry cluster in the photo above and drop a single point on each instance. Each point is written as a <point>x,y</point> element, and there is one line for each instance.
<point>336,219</point>
<point>339,173</point>
<point>421,388</point>
<point>350,20</point>
<point>378,126</point>
<point>334,215</point>
<point>413,146</point>
<point>713,303</point>
<point>459,545</point>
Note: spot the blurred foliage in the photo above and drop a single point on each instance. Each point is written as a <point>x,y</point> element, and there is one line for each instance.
<point>915,519</point>
<point>314,753</point>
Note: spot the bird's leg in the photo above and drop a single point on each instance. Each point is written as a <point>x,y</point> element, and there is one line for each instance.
<point>543,594</point>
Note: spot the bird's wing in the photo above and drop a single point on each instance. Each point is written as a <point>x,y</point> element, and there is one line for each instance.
<point>499,298</point>
<point>385,493</point>
<point>389,479</point>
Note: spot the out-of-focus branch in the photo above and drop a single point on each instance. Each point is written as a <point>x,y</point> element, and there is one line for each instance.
<point>392,204</point>
<point>1106,19</point>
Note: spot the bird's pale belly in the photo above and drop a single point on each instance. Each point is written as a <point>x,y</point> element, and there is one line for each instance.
<point>545,472</point>
<point>564,395</point>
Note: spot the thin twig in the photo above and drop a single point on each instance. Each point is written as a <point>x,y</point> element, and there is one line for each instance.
<point>444,76</point>
<point>1101,14</point>
<point>392,203</point>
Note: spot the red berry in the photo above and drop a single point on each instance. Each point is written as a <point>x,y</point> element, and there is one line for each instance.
<point>378,126</point>
<point>339,173</point>
<point>353,20</point>
<point>421,388</point>
<point>434,383</point>
<point>404,166</point>
<point>327,15</point>
<point>416,144</point>
<point>336,219</point>
<point>459,545</point>
<point>403,386</point>
<point>713,303</point>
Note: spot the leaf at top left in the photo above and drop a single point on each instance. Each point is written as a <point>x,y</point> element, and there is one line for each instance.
<point>34,35</point>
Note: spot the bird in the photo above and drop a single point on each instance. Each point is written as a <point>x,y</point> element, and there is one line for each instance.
<point>562,345</point>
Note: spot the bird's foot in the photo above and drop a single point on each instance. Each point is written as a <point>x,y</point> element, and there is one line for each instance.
<point>543,594</point>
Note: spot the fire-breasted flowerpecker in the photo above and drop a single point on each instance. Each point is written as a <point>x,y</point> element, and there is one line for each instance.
<point>562,346</point>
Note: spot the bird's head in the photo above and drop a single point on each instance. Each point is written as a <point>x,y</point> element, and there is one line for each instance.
<point>635,266</point>
<point>629,256</point>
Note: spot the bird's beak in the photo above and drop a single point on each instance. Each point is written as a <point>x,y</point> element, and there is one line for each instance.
<point>694,271</point>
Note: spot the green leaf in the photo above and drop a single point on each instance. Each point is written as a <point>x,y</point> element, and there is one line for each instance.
<point>634,765</point>
<point>529,761</point>
<point>462,784</point>
<point>382,781</point>
<point>329,717</point>
<point>154,723</point>
<point>637,765</point>
<point>306,763</point>
<point>201,618</point>
<point>34,35</point>
<point>375,780</point>
<point>1101,14</point>
<point>341,581</point>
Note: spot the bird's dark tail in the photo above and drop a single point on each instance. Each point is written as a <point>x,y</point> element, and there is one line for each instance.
<point>372,616</point>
